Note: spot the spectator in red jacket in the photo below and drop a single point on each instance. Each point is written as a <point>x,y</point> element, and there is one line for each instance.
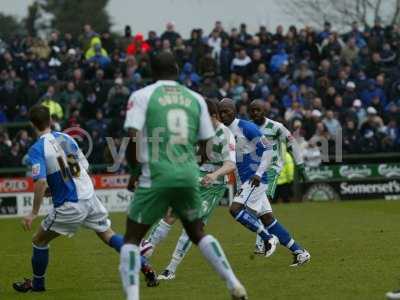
<point>138,45</point>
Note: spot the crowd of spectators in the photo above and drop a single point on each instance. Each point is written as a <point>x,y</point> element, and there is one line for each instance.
<point>314,81</point>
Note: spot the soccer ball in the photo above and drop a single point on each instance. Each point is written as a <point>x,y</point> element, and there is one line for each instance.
<point>146,248</point>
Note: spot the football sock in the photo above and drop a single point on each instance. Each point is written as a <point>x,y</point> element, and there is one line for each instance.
<point>284,237</point>
<point>144,265</point>
<point>40,260</point>
<point>159,232</point>
<point>129,269</point>
<point>212,251</point>
<point>116,242</point>
<point>182,247</point>
<point>252,223</point>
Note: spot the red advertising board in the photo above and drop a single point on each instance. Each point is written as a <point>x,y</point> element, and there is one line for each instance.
<point>25,185</point>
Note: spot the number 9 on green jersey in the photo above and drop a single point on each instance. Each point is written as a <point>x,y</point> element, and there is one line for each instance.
<point>171,120</point>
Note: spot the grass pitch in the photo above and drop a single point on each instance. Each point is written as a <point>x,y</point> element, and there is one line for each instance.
<point>354,246</point>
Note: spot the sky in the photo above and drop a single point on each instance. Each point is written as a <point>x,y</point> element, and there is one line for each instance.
<point>144,15</point>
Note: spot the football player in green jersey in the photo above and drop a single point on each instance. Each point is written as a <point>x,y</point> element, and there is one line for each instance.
<point>277,134</point>
<point>220,161</point>
<point>165,121</point>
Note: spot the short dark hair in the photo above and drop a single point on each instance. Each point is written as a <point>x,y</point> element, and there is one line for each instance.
<point>39,115</point>
<point>212,106</point>
<point>164,66</point>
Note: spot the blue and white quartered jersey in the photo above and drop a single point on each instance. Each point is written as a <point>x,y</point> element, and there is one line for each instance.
<point>249,149</point>
<point>56,157</point>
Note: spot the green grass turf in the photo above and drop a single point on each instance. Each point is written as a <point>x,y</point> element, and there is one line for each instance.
<point>354,247</point>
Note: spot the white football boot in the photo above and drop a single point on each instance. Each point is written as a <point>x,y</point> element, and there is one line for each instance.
<point>300,258</point>
<point>259,247</point>
<point>166,275</point>
<point>239,293</point>
<point>395,295</point>
<point>270,246</point>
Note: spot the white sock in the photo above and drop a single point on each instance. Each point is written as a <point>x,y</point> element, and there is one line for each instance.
<point>159,232</point>
<point>129,269</point>
<point>182,247</point>
<point>212,251</point>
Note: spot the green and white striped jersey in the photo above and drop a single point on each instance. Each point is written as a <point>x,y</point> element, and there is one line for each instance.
<point>170,119</point>
<point>277,134</point>
<point>221,148</point>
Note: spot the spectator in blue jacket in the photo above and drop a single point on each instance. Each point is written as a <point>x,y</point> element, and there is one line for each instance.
<point>188,76</point>
<point>41,72</point>
<point>324,34</point>
<point>279,59</point>
<point>293,95</point>
<point>99,57</point>
<point>371,92</point>
<point>357,35</point>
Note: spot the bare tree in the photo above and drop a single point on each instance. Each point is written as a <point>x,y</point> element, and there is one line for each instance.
<point>342,13</point>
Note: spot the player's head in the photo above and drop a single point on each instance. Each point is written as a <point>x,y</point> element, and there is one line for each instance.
<point>164,66</point>
<point>212,106</point>
<point>39,115</point>
<point>227,111</point>
<point>257,111</point>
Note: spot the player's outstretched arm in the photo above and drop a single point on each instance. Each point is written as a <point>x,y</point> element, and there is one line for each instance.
<point>227,167</point>
<point>294,149</point>
<point>40,187</point>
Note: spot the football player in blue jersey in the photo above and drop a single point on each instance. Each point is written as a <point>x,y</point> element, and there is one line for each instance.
<point>251,206</point>
<point>59,164</point>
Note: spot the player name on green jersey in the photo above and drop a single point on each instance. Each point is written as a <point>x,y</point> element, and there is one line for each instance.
<point>171,119</point>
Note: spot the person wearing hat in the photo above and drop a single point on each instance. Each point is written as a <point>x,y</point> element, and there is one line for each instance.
<point>138,45</point>
<point>316,114</point>
<point>71,52</point>
<point>377,104</point>
<point>49,100</point>
<point>100,57</point>
<point>369,142</point>
<point>117,97</point>
<point>370,122</point>
<point>357,113</point>
<point>350,93</point>
<point>95,48</point>
<point>371,111</point>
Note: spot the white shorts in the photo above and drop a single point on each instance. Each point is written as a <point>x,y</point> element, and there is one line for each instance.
<point>254,198</point>
<point>67,218</point>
